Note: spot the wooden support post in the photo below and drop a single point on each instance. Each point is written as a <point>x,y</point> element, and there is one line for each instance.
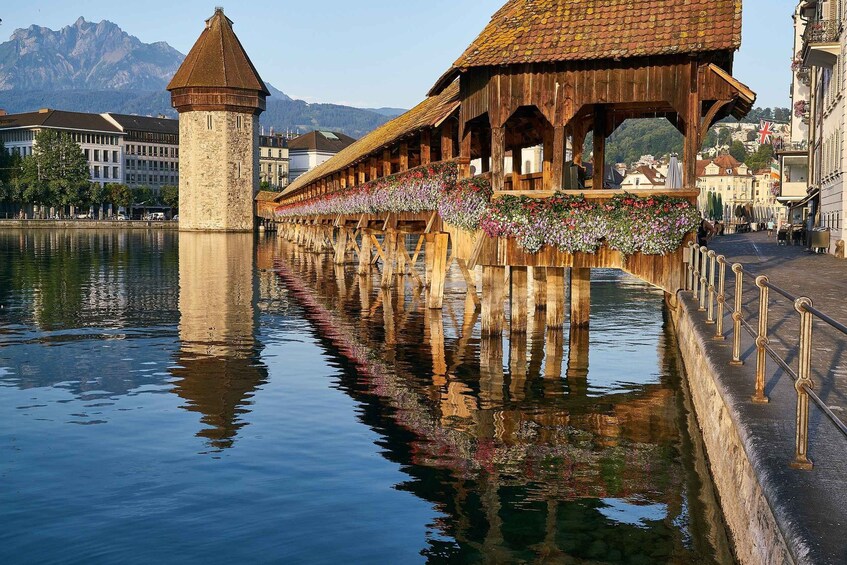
<point>558,165</point>
<point>386,162</point>
<point>498,157</point>
<point>493,296</point>
<point>447,140</point>
<point>580,297</point>
<point>470,282</point>
<point>555,297</point>
<point>404,156</point>
<point>389,245</point>
<point>365,254</point>
<point>491,376</point>
<point>429,257</point>
<point>577,369</point>
<point>439,269</point>
<point>539,283</point>
<point>426,147</point>
<point>464,152</point>
<point>599,146</point>
<point>341,246</point>
<point>485,152</point>
<point>374,169</point>
<point>361,172</point>
<point>691,143</point>
<point>401,255</point>
<point>547,158</point>
<point>518,300</point>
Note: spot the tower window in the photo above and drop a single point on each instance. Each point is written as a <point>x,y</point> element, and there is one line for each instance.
<point>209,121</point>
<point>238,122</point>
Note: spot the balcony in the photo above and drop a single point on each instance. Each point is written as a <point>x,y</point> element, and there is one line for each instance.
<point>821,45</point>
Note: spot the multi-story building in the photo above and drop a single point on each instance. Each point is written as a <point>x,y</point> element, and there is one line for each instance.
<point>151,150</point>
<point>100,138</point>
<point>644,176</point>
<point>725,177</point>
<point>311,149</point>
<point>819,26</point>
<point>765,206</point>
<point>273,161</point>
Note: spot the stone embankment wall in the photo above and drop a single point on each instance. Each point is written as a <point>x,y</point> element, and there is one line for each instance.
<point>89,224</point>
<point>753,526</point>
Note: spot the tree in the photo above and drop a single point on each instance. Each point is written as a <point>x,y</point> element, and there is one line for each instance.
<point>752,135</point>
<point>264,185</point>
<point>169,195</point>
<point>98,193</point>
<point>738,151</point>
<point>119,195</point>
<point>57,172</point>
<point>719,207</point>
<point>761,158</point>
<point>142,195</point>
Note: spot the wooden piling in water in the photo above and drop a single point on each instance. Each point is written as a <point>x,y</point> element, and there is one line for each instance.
<point>389,249</point>
<point>493,296</point>
<point>518,300</point>
<point>365,254</point>
<point>341,246</point>
<point>555,297</point>
<point>439,269</point>
<point>539,287</point>
<point>580,297</point>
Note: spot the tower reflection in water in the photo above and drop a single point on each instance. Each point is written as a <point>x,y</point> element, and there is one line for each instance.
<point>219,365</point>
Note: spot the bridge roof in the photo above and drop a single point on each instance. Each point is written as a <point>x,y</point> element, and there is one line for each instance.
<point>429,113</point>
<point>546,31</point>
<point>218,60</point>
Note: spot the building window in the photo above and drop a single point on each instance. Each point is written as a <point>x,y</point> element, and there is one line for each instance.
<point>96,154</point>
<point>114,156</point>
<point>105,172</point>
<point>115,172</point>
<point>87,154</point>
<point>96,172</point>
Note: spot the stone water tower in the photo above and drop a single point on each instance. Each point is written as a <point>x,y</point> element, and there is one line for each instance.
<point>219,96</point>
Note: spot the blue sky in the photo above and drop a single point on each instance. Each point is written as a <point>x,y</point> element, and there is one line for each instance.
<point>376,52</point>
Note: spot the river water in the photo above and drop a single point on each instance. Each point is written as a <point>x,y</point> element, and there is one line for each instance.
<point>202,398</point>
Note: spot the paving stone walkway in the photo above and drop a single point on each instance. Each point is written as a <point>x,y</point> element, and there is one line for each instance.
<point>811,506</point>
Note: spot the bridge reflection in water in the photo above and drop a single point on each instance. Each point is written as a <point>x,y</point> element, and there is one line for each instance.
<point>511,440</point>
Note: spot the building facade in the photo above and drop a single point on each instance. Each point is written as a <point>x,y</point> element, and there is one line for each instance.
<point>151,150</point>
<point>311,149</point>
<point>726,178</point>
<point>273,162</point>
<point>100,139</point>
<point>821,61</point>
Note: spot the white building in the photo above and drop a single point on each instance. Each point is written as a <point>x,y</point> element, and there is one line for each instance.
<point>151,150</point>
<point>644,176</point>
<point>100,139</point>
<point>821,23</point>
<point>311,149</point>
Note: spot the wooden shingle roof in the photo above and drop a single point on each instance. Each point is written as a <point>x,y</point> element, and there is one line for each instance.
<point>545,31</point>
<point>429,113</point>
<point>218,60</point>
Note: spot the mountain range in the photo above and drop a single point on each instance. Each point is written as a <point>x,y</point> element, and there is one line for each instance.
<point>98,67</point>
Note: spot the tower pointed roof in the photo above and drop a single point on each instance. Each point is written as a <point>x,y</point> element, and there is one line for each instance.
<point>218,60</point>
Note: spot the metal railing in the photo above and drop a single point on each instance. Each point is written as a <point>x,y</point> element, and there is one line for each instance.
<point>706,281</point>
<point>821,31</point>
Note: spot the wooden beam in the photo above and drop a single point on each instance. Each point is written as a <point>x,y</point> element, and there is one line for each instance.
<point>386,162</point>
<point>498,157</point>
<point>404,156</point>
<point>518,299</point>
<point>426,146</point>
<point>539,283</point>
<point>341,247</point>
<point>447,140</point>
<point>374,168</point>
<point>547,159</point>
<point>465,152</point>
<point>692,130</point>
<point>493,296</point>
<point>555,297</point>
<point>599,146</point>
<point>558,165</point>
<point>439,269</point>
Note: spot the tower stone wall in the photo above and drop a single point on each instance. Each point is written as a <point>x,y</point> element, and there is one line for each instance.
<point>219,170</point>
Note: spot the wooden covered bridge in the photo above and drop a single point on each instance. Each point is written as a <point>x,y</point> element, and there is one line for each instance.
<point>543,73</point>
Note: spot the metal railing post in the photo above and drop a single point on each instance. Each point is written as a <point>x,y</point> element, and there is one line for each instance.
<point>695,260</point>
<point>736,315</point>
<point>803,383</point>
<point>721,297</point>
<point>761,342</point>
<point>704,268</point>
<point>710,317</point>
<point>689,284</point>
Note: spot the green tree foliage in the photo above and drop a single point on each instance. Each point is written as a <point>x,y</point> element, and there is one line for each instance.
<point>738,151</point>
<point>142,195</point>
<point>97,193</point>
<point>57,172</point>
<point>634,138</point>
<point>761,158</point>
<point>719,207</point>
<point>119,195</point>
<point>169,195</point>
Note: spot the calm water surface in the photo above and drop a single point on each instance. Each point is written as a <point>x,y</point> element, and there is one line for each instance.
<point>211,399</point>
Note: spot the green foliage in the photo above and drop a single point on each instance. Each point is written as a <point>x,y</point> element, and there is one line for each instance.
<point>634,138</point>
<point>142,195</point>
<point>738,151</point>
<point>97,193</point>
<point>761,158</point>
<point>56,173</point>
<point>264,185</point>
<point>169,195</point>
<point>719,207</point>
<point>119,195</point>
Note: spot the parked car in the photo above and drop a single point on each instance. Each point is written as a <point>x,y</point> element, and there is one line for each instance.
<point>83,216</point>
<point>175,218</point>
<point>156,216</point>
<point>121,217</point>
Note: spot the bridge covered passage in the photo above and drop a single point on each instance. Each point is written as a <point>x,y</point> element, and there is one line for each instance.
<point>547,74</point>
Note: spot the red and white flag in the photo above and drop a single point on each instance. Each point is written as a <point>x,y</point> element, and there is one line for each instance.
<point>765,132</point>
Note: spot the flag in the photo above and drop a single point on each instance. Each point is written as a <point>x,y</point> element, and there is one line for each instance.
<point>765,132</point>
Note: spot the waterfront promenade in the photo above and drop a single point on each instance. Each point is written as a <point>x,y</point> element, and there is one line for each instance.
<point>810,507</point>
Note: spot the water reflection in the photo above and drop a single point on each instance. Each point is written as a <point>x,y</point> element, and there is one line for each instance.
<point>525,456</point>
<point>219,363</point>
